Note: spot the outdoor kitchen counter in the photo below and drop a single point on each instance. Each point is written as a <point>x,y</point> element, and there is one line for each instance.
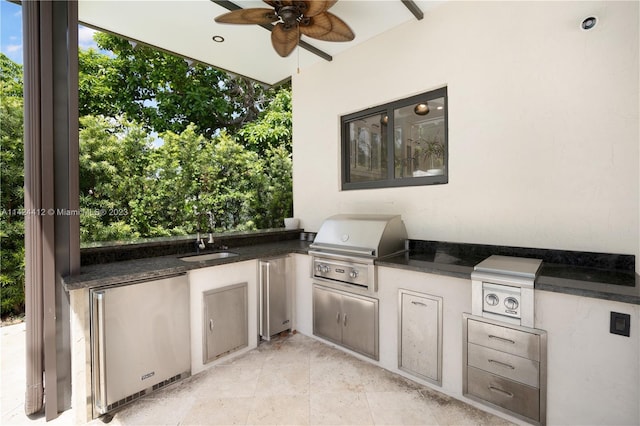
<point>596,275</point>
<point>113,273</point>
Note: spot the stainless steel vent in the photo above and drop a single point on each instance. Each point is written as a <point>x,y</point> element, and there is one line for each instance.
<point>135,396</point>
<point>126,400</point>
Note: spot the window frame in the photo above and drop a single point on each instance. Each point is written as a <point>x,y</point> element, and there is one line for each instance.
<point>391,181</point>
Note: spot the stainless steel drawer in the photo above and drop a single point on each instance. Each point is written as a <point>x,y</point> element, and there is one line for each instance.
<point>512,367</point>
<point>505,393</point>
<point>504,339</point>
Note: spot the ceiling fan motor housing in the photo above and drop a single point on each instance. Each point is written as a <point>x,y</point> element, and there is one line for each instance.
<point>290,15</point>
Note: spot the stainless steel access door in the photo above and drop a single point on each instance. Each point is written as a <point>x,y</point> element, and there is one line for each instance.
<point>275,306</point>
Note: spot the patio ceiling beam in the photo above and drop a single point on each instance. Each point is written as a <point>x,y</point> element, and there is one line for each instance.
<point>232,6</point>
<point>413,8</point>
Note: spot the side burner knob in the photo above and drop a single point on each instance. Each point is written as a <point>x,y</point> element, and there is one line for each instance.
<point>511,303</point>
<point>491,299</point>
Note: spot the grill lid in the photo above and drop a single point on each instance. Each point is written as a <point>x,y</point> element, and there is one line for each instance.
<point>365,235</point>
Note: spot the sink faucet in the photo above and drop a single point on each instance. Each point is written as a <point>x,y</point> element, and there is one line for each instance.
<point>212,225</point>
<point>200,245</point>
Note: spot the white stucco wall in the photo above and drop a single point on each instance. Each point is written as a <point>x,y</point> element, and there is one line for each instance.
<point>543,125</point>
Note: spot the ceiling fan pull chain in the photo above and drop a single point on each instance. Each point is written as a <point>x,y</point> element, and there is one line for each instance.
<point>298,50</point>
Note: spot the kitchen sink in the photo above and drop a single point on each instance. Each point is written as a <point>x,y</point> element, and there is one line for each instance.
<point>209,256</point>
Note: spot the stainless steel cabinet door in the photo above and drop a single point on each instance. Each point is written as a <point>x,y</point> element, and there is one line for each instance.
<point>140,338</point>
<point>225,321</point>
<point>360,324</point>
<point>347,319</point>
<point>327,314</point>
<point>420,335</point>
<point>275,311</point>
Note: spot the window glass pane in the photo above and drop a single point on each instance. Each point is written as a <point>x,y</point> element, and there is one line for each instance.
<point>368,149</point>
<point>419,139</point>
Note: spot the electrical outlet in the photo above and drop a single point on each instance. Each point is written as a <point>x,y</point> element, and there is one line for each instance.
<point>620,324</point>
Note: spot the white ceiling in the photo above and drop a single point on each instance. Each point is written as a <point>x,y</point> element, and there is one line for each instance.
<point>186,28</point>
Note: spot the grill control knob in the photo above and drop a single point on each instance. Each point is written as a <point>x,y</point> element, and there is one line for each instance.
<point>353,273</point>
<point>322,268</point>
<point>491,299</point>
<point>511,303</point>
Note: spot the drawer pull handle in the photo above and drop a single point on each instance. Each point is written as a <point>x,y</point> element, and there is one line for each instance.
<point>419,303</point>
<point>503,364</point>
<point>500,391</point>
<point>502,339</point>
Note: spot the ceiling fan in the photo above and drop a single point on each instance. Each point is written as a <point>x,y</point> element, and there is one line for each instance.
<point>293,18</point>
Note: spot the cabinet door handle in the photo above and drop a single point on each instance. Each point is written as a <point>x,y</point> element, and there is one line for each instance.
<point>267,307</point>
<point>419,303</point>
<point>211,324</point>
<point>99,352</point>
<point>503,364</point>
<point>502,339</point>
<point>338,317</point>
<point>264,314</point>
<point>500,391</point>
<point>344,322</point>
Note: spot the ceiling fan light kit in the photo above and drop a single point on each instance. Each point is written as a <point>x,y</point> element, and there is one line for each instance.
<point>293,19</point>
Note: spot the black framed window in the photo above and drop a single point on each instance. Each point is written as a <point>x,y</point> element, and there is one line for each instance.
<point>402,143</point>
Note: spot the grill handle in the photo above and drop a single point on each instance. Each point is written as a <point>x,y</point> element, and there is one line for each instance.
<point>334,248</point>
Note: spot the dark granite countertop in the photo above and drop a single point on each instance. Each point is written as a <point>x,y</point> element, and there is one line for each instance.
<point>596,275</point>
<point>106,274</point>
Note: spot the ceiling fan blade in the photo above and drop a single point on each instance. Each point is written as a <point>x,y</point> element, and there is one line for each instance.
<point>248,16</point>
<point>317,26</point>
<point>338,30</point>
<point>315,7</point>
<point>284,40</point>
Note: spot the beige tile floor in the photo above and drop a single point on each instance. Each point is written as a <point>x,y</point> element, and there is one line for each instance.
<point>294,380</point>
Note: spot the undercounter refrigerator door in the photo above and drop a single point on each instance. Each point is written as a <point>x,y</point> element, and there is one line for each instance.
<point>275,315</point>
<point>139,338</point>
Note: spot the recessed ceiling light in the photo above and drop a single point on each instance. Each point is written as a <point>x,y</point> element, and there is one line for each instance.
<point>440,107</point>
<point>588,23</point>
<point>218,39</point>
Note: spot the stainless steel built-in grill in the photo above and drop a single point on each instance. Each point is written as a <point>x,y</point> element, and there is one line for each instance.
<point>502,289</point>
<point>347,245</point>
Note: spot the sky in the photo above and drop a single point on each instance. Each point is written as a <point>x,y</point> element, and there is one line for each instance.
<point>11,38</point>
<point>11,32</point>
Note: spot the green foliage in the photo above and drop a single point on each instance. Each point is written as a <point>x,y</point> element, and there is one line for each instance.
<point>162,91</point>
<point>273,128</point>
<point>12,192</point>
<point>171,189</point>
